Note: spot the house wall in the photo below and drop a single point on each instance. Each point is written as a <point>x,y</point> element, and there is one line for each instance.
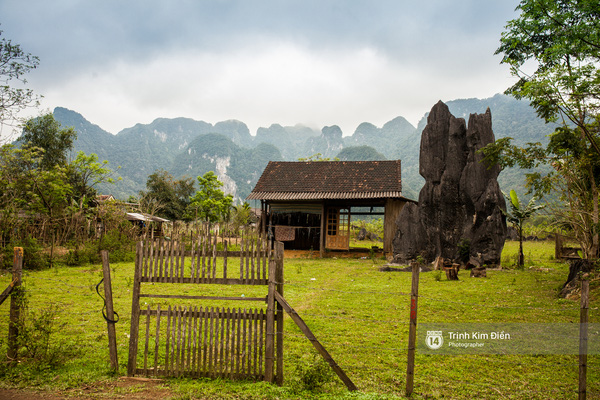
<point>392,210</point>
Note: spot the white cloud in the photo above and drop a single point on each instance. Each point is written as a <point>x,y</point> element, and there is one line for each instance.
<point>269,82</point>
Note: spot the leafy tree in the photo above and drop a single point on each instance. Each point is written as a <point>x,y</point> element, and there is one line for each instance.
<point>85,172</point>
<point>553,48</point>
<point>210,203</point>
<point>167,196</point>
<point>14,64</point>
<point>518,214</point>
<point>47,133</point>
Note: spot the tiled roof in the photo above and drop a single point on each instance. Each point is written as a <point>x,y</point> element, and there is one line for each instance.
<point>306,180</point>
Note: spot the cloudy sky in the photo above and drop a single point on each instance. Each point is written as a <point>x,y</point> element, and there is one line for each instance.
<point>316,62</point>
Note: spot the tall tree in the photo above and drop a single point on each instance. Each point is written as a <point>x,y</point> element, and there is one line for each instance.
<point>14,64</point>
<point>168,196</point>
<point>47,133</point>
<point>553,48</point>
<point>210,203</point>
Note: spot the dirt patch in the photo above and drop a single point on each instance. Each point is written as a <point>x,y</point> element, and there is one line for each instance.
<point>123,388</point>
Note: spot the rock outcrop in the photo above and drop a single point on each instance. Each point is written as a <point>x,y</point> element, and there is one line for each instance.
<point>460,201</point>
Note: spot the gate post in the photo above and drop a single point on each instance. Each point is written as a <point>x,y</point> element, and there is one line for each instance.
<point>270,328</point>
<point>16,301</point>
<point>110,316</point>
<point>279,288</point>
<point>135,311</point>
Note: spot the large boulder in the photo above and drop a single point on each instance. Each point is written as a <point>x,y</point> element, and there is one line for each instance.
<point>461,201</point>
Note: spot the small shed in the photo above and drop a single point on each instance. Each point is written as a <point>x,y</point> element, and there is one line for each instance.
<point>143,220</point>
<point>310,204</point>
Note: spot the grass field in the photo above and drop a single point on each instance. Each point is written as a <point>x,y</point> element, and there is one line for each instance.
<point>359,313</point>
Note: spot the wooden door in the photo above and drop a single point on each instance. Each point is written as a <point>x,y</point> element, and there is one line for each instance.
<point>338,229</point>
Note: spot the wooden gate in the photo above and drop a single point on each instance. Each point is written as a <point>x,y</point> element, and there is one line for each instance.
<point>196,341</point>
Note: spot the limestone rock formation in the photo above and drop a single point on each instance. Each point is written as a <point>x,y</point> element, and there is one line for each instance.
<point>460,201</point>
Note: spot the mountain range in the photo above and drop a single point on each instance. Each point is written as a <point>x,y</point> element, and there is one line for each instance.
<point>186,147</point>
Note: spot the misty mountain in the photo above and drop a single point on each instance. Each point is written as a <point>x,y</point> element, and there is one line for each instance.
<point>186,147</point>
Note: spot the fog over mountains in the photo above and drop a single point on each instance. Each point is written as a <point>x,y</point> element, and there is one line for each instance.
<point>186,147</point>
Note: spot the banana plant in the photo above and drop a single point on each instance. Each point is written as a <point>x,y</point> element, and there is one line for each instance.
<point>517,216</point>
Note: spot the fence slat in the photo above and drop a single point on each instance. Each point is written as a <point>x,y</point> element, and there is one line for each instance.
<point>157,340</point>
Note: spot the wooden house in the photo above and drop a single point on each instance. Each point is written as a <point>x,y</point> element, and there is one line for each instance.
<point>309,205</point>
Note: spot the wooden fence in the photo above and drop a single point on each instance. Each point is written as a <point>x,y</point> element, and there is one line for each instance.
<point>191,340</point>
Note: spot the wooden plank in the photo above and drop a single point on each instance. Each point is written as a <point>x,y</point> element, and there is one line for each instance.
<point>255,336</point>
<point>147,341</point>
<point>168,343</point>
<point>244,343</point>
<point>157,340</point>
<point>261,341</point>
<point>239,348</point>
<point>160,261</point>
<point>412,329</point>
<point>175,296</point>
<point>182,253</point>
<point>221,341</point>
<point>214,255</point>
<point>317,345</point>
<point>225,260</point>
<point>7,292</point>
<point>227,368</point>
<point>135,311</point>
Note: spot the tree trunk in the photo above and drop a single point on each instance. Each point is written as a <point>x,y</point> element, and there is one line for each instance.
<point>521,256</point>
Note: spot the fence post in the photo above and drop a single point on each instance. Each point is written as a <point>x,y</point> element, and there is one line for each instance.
<point>270,328</point>
<point>110,316</point>
<point>135,311</point>
<point>16,301</point>
<point>279,289</point>
<point>412,329</point>
<point>583,336</point>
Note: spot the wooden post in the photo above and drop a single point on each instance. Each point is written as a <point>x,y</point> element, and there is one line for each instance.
<point>412,329</point>
<point>323,231</point>
<point>135,311</point>
<point>16,301</point>
<point>583,336</point>
<point>270,328</point>
<point>110,315</point>
<point>279,289</point>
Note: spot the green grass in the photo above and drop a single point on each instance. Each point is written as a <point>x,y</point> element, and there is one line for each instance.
<point>357,312</point>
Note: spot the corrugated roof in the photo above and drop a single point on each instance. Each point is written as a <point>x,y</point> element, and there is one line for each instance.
<point>314,180</point>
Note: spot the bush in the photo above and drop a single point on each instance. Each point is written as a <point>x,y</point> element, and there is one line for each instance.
<point>313,375</point>
<point>33,255</point>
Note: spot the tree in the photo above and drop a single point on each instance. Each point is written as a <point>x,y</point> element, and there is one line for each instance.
<point>210,203</point>
<point>47,133</point>
<point>14,64</point>
<point>166,195</point>
<point>553,48</point>
<point>85,172</point>
<point>518,215</point>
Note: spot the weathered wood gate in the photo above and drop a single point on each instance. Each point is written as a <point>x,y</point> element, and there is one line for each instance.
<point>188,340</point>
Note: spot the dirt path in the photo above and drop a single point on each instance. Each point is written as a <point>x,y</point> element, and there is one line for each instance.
<point>123,388</point>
